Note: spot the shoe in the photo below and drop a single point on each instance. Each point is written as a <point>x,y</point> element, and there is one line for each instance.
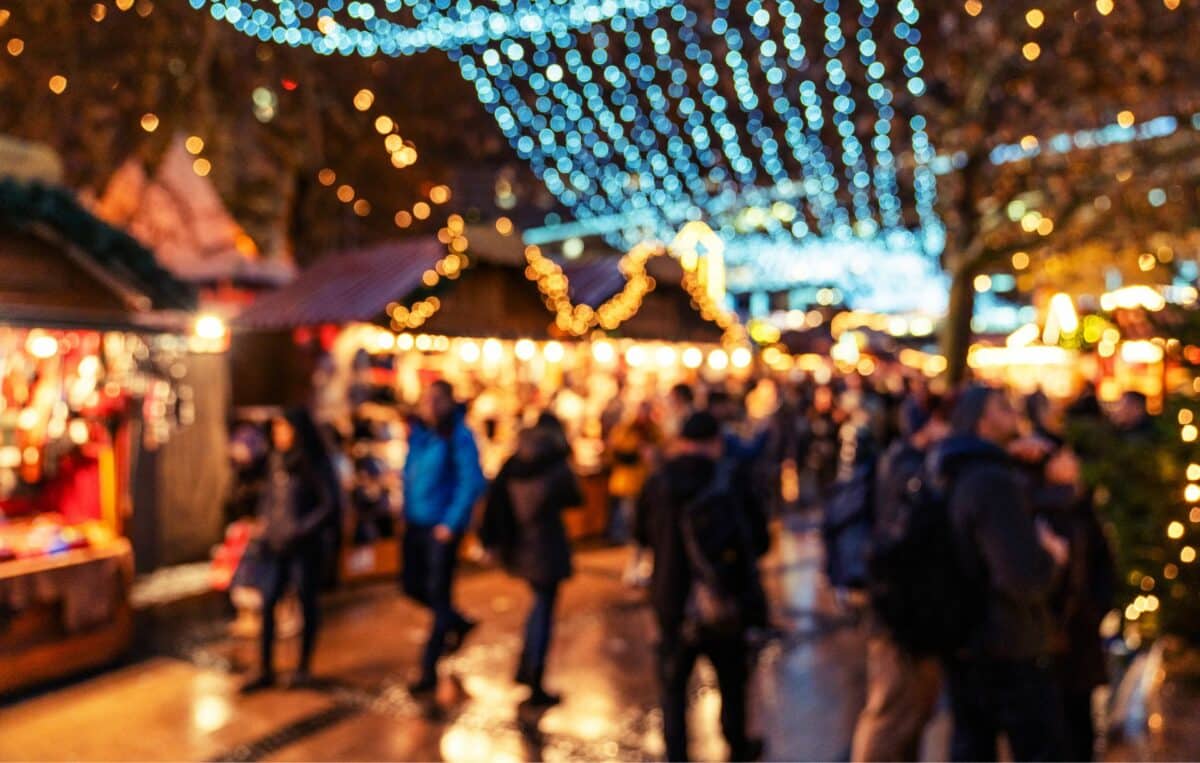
<point>423,687</point>
<point>258,683</point>
<point>543,699</point>
<point>457,636</point>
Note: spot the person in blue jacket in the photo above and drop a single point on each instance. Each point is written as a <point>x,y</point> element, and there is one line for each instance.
<point>442,482</point>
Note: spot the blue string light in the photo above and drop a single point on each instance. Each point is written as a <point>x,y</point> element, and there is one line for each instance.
<point>775,121</point>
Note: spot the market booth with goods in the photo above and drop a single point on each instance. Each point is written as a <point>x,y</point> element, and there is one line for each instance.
<point>90,332</point>
<point>375,326</point>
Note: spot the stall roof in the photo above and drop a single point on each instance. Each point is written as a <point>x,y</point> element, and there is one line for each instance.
<point>345,288</point>
<point>180,215</point>
<point>43,220</point>
<point>593,281</point>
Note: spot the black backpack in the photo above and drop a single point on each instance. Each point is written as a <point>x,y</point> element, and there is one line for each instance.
<point>725,597</point>
<point>917,586</point>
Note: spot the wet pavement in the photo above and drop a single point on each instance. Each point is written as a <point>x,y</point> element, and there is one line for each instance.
<point>806,692</point>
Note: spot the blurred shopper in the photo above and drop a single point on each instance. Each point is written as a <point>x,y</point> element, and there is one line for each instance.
<point>442,482</point>
<point>297,511</point>
<point>903,684</point>
<point>680,403</point>
<point>1000,681</point>
<point>705,591</point>
<point>822,456</point>
<point>631,449</point>
<point>1132,416</point>
<point>523,525</point>
<point>1081,599</point>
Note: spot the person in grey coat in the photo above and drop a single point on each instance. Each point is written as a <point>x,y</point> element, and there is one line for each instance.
<point>523,525</point>
<point>1001,681</point>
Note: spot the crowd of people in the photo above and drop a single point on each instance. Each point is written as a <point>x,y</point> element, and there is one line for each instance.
<point>963,523</point>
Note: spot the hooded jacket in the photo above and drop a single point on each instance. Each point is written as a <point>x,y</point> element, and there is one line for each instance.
<point>442,476</point>
<point>997,546</point>
<point>531,491</point>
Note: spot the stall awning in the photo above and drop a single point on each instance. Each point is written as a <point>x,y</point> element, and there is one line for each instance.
<point>345,288</point>
<point>594,281</point>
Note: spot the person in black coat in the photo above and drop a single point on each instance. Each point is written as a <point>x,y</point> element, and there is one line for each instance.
<point>1000,681</point>
<point>660,526</point>
<point>523,525</point>
<point>297,511</point>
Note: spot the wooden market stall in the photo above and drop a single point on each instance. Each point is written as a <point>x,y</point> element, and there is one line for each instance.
<point>81,393</point>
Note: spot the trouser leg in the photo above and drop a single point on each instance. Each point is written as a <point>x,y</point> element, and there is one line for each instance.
<point>271,594</point>
<point>538,630</point>
<point>731,663</point>
<point>675,668</point>
<point>441,562</point>
<point>308,577</point>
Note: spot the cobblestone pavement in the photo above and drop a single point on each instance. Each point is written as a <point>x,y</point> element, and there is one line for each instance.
<point>807,689</point>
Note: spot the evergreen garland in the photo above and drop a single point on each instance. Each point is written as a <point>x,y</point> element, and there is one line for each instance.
<point>23,204</point>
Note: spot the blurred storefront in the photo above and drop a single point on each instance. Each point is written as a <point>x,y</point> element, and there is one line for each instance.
<point>96,377</point>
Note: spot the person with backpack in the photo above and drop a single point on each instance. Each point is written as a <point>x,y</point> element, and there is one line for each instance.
<point>442,482</point>
<point>523,526</point>
<point>999,675</point>
<point>298,508</point>
<point>705,590</point>
<point>903,679</point>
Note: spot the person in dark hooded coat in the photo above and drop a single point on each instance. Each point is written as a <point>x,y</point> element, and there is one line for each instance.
<point>523,525</point>
<point>1000,682</point>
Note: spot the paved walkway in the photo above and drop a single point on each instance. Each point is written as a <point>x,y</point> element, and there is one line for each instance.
<point>807,689</point>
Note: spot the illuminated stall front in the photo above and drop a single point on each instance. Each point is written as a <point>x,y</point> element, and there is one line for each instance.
<point>86,385</point>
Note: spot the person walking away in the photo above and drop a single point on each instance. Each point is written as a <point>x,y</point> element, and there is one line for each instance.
<point>1000,681</point>
<point>630,453</point>
<point>903,686</point>
<point>705,590</point>
<point>523,526</point>
<point>1081,599</point>
<point>299,505</point>
<point>442,482</point>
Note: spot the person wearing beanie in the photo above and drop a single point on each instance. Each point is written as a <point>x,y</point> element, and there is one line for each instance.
<point>999,680</point>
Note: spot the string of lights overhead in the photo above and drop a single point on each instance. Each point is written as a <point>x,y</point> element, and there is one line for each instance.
<point>787,126</point>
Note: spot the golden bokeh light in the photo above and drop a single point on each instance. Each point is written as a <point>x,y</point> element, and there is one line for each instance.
<point>364,99</point>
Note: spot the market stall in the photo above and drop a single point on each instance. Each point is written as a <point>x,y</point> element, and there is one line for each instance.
<point>84,388</point>
<point>380,324</point>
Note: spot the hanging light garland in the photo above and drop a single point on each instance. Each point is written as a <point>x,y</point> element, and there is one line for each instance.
<point>578,320</point>
<point>449,268</point>
<point>639,115</point>
<point>357,28</point>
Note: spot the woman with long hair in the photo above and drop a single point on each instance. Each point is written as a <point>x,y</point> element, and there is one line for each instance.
<point>299,507</point>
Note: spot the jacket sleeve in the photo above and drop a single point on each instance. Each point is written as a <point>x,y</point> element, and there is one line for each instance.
<point>497,514</point>
<point>1017,564</point>
<point>469,482</point>
<point>327,492</point>
<point>567,493</point>
<point>642,532</point>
